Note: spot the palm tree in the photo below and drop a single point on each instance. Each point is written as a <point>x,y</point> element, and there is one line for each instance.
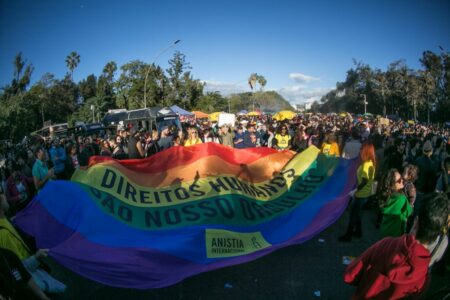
<point>252,80</point>
<point>262,82</point>
<point>109,70</point>
<point>19,63</point>
<point>72,61</point>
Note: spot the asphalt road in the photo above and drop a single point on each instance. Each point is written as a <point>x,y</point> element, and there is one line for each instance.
<point>312,270</point>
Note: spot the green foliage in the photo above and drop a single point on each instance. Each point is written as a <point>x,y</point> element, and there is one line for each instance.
<point>84,112</point>
<point>269,101</point>
<point>72,61</point>
<point>211,102</point>
<point>255,78</point>
<point>105,87</point>
<point>88,87</point>
<point>399,90</point>
<point>130,85</point>
<point>183,90</point>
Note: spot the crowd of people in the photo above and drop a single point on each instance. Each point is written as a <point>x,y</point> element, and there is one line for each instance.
<point>404,173</point>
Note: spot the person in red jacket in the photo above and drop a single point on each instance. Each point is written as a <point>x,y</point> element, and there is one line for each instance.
<point>397,268</point>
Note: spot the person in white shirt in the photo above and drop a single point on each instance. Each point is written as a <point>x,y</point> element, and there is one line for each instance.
<point>353,146</point>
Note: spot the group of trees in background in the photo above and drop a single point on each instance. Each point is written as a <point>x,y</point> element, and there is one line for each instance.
<point>423,94</point>
<point>25,108</point>
<point>400,90</point>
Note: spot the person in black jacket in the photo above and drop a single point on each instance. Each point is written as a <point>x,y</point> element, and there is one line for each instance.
<point>397,158</point>
<point>15,281</point>
<point>135,148</point>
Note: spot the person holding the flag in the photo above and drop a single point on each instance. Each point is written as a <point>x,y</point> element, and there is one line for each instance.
<point>365,175</point>
<point>11,240</point>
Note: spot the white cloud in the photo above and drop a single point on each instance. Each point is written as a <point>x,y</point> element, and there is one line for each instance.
<point>225,88</point>
<point>302,78</point>
<point>301,94</point>
<point>302,91</point>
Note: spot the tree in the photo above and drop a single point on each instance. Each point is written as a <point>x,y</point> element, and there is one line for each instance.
<point>177,67</point>
<point>105,88</point>
<point>437,67</point>
<point>428,90</point>
<point>262,82</point>
<point>130,85</point>
<point>19,63</point>
<point>381,88</point>
<point>267,101</point>
<point>183,89</point>
<point>72,61</point>
<point>109,70</point>
<point>400,90</point>
<point>88,87</point>
<point>21,77</point>
<point>252,80</point>
<point>211,102</point>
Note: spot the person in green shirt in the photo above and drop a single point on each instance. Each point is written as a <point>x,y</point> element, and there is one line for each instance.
<point>41,174</point>
<point>394,205</point>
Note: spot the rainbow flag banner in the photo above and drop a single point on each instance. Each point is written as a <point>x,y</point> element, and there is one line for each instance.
<point>153,222</point>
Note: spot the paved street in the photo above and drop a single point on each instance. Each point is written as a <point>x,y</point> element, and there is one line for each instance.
<point>296,272</point>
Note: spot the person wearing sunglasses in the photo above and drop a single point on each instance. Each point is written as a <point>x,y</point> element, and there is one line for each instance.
<point>193,138</point>
<point>399,267</point>
<point>395,206</point>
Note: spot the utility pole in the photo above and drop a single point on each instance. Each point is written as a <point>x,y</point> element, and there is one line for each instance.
<point>42,113</point>
<point>93,114</point>
<point>365,103</point>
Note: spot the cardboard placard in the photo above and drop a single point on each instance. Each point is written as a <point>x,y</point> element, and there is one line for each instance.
<point>225,118</point>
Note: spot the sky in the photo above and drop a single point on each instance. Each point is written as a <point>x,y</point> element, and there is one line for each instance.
<point>302,48</point>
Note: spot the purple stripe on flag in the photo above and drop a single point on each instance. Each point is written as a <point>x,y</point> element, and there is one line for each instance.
<point>136,267</point>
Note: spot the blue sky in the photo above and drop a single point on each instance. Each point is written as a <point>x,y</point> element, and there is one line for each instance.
<point>302,47</point>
